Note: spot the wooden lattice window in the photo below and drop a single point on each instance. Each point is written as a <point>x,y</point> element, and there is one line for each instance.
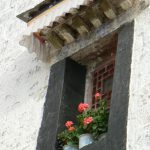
<point>103,80</point>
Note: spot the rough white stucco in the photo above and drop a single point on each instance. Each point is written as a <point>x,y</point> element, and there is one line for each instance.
<point>23,81</point>
<point>138,135</point>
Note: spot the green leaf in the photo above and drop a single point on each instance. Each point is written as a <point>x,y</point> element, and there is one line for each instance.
<point>85,127</point>
<point>94,127</point>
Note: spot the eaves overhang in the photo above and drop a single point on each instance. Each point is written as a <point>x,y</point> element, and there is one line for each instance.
<point>80,23</point>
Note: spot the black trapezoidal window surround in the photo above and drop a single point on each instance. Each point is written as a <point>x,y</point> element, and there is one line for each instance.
<point>53,120</point>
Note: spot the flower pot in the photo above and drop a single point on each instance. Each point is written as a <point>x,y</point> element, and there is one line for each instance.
<point>70,147</point>
<point>85,139</point>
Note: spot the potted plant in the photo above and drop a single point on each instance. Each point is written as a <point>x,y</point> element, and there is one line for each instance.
<point>92,122</point>
<point>69,137</point>
<point>84,122</point>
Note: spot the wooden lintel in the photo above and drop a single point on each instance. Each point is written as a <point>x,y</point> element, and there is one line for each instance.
<point>55,40</point>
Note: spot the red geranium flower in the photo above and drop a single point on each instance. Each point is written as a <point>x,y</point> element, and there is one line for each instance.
<point>98,96</point>
<point>69,124</point>
<point>87,121</point>
<point>71,129</point>
<point>82,107</point>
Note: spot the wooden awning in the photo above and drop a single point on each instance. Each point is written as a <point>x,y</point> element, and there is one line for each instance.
<point>78,23</point>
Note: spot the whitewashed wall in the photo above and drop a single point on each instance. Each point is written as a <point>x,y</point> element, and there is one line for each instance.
<point>138,136</point>
<point>23,81</point>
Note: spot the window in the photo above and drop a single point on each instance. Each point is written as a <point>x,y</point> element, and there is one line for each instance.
<point>103,80</point>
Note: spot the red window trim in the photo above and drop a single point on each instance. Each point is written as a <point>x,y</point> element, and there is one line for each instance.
<point>104,71</point>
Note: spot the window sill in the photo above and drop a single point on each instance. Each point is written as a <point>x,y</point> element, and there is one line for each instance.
<point>94,145</point>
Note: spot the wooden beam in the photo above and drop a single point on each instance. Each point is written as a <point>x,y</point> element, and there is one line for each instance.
<point>44,31</point>
<point>78,24</point>
<point>126,4</point>
<point>107,9</point>
<point>55,40</point>
<point>94,17</point>
<point>73,11</point>
<point>55,24</point>
<point>68,34</point>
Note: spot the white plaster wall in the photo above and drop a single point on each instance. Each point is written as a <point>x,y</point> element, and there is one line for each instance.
<point>138,134</point>
<point>23,81</point>
<point>23,78</point>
